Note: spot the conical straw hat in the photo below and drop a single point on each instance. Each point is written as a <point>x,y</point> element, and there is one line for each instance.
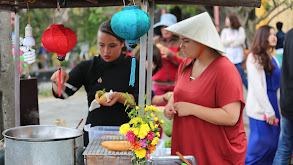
<point>199,28</point>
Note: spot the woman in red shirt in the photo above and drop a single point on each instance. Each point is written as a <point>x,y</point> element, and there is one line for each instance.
<point>164,79</point>
<point>208,101</point>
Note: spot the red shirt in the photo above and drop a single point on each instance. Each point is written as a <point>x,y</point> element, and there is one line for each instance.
<point>169,70</point>
<point>219,85</point>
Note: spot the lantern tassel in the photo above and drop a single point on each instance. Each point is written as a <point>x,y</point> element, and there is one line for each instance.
<point>132,74</point>
<point>59,86</point>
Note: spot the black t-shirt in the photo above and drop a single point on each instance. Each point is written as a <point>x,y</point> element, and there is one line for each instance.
<point>286,100</point>
<point>96,74</point>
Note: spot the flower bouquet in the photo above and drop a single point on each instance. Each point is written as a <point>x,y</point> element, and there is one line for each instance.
<point>141,131</point>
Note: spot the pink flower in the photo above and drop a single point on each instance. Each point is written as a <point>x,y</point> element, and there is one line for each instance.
<point>148,154</point>
<point>143,143</point>
<point>150,136</point>
<point>130,136</point>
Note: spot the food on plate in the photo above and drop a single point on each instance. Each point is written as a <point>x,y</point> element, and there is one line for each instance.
<point>116,145</point>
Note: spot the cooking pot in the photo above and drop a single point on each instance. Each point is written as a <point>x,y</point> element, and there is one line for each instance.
<point>43,145</point>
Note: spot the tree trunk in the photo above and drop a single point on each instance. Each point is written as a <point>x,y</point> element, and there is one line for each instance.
<point>7,99</point>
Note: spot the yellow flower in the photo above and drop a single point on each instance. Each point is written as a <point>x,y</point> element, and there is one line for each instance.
<point>137,107</point>
<point>162,121</point>
<point>154,109</point>
<point>135,131</point>
<point>155,141</point>
<point>156,125</point>
<point>147,108</point>
<point>158,134</point>
<point>124,128</point>
<point>152,114</point>
<point>156,119</point>
<point>144,130</point>
<point>152,125</point>
<point>136,120</point>
<point>140,153</point>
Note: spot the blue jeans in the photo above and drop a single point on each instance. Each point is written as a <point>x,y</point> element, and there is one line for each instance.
<point>242,74</point>
<point>285,146</point>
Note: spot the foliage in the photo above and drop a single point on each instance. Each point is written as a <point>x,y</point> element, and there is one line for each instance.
<point>168,125</point>
<point>186,10</point>
<point>168,143</point>
<point>141,131</point>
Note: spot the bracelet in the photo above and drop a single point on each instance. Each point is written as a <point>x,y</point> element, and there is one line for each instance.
<point>164,99</point>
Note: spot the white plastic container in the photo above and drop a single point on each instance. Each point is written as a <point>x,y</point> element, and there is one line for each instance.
<point>102,131</point>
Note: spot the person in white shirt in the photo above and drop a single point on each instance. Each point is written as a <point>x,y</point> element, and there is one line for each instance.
<point>262,105</point>
<point>233,38</point>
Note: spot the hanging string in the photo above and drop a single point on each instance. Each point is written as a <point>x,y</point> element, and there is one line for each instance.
<point>124,2</point>
<point>60,13</point>
<point>28,12</point>
<point>133,2</point>
<point>59,85</point>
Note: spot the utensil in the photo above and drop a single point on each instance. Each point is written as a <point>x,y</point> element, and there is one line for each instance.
<point>181,156</point>
<point>63,94</point>
<point>79,123</point>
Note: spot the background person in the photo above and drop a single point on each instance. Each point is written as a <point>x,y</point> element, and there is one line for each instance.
<point>263,81</point>
<point>280,42</point>
<point>233,38</point>
<point>164,79</point>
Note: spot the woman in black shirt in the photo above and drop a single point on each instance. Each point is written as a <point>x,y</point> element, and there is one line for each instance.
<point>110,70</point>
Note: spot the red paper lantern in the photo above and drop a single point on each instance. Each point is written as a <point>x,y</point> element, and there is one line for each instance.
<point>59,39</point>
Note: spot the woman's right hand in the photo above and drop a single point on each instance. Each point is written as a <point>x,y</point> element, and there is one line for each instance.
<point>55,78</point>
<point>272,120</point>
<point>169,111</point>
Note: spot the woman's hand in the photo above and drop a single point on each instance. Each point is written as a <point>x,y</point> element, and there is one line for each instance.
<point>166,52</point>
<point>55,78</point>
<point>272,120</point>
<point>113,99</point>
<point>183,108</point>
<point>169,111</point>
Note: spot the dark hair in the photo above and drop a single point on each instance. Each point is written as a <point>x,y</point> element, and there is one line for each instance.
<point>259,47</point>
<point>235,23</point>
<point>105,27</point>
<point>157,58</point>
<point>279,25</point>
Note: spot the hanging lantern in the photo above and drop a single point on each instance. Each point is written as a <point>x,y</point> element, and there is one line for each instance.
<point>59,39</point>
<point>131,23</point>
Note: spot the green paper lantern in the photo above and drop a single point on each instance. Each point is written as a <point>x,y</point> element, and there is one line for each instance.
<point>131,23</point>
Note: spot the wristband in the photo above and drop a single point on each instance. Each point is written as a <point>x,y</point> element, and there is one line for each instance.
<point>164,99</point>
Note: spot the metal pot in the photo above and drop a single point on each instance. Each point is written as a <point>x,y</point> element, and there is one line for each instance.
<point>43,145</point>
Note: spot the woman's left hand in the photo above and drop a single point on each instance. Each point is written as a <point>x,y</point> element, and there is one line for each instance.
<point>113,99</point>
<point>183,108</point>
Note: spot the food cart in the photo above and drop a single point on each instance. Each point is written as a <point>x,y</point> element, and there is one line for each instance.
<point>147,6</point>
